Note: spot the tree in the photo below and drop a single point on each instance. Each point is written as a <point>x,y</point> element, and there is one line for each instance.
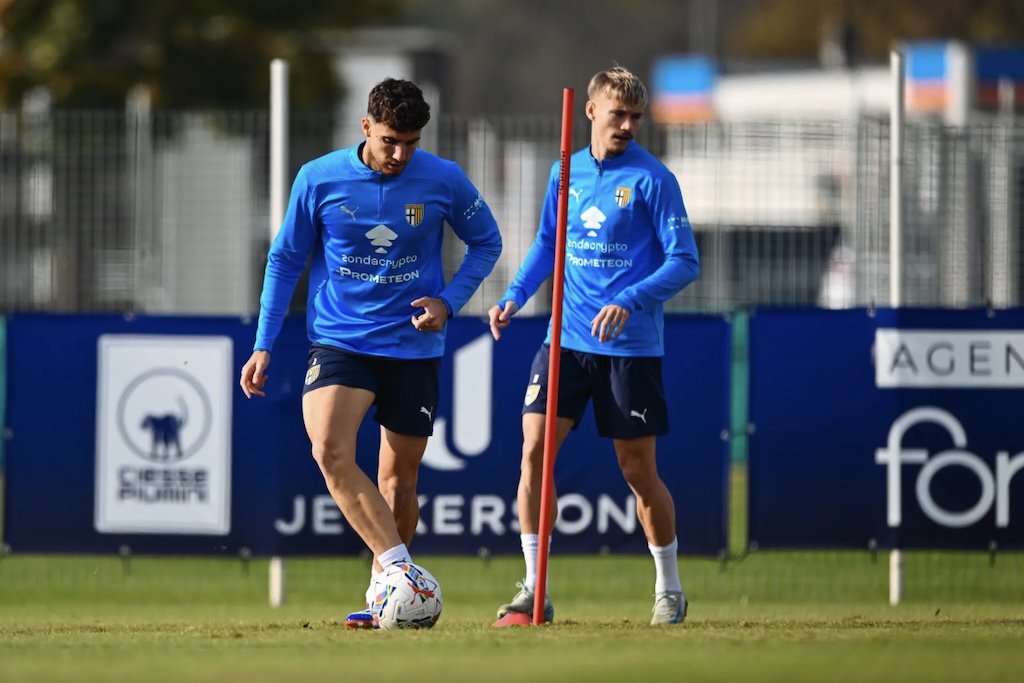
<point>517,55</point>
<point>189,53</point>
<point>793,28</point>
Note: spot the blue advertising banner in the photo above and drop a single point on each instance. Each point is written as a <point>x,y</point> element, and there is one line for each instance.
<point>3,384</point>
<point>133,433</point>
<point>900,427</point>
<point>119,427</point>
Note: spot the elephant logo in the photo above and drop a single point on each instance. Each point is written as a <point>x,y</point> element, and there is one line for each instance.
<point>166,433</point>
<point>164,415</point>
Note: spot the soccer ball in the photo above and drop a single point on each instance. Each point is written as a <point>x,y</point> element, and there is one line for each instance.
<point>408,596</point>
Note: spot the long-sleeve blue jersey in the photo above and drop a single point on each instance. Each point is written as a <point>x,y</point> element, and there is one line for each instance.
<point>628,243</point>
<point>376,247</point>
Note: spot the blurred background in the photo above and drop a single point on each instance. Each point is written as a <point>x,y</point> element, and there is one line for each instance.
<point>135,178</point>
<point>134,153</point>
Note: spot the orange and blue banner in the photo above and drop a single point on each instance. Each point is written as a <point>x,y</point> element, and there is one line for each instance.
<point>682,89</point>
<point>928,77</point>
<point>936,79</point>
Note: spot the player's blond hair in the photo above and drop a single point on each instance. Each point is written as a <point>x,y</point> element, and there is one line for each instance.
<point>619,83</point>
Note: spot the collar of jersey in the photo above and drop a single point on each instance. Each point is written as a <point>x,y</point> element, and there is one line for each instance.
<point>365,171</point>
<point>615,162</point>
<point>358,166</point>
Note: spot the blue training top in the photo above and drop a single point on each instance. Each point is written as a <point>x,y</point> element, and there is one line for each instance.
<point>376,243</point>
<point>628,242</point>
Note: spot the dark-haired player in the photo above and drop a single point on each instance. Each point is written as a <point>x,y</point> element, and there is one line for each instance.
<point>373,217</point>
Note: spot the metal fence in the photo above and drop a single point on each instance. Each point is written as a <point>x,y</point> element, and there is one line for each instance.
<point>168,213</point>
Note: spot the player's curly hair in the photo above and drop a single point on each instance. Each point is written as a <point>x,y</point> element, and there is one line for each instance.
<point>398,105</point>
<point>620,83</point>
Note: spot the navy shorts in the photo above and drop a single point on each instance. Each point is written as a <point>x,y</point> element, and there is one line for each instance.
<point>628,392</point>
<point>407,391</point>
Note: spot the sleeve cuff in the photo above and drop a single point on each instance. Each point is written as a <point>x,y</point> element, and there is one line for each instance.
<point>448,307</point>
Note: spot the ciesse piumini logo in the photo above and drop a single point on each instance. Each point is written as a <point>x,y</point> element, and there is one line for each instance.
<point>164,416</point>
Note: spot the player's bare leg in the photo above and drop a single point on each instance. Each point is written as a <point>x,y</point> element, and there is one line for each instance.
<point>531,469</point>
<point>657,514</point>
<point>332,415</point>
<point>397,474</point>
<point>528,502</point>
<point>654,506</point>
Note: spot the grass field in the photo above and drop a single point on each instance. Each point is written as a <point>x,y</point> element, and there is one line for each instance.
<point>774,617</point>
<point>768,616</point>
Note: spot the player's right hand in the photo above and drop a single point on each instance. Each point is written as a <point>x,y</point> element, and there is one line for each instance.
<point>501,318</point>
<point>253,374</point>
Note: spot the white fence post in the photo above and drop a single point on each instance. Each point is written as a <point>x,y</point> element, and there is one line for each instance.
<point>896,253</point>
<point>278,202</point>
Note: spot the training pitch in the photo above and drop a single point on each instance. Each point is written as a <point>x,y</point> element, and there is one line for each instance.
<point>174,619</point>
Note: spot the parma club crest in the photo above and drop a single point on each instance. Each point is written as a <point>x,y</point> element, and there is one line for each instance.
<point>622,195</point>
<point>413,214</point>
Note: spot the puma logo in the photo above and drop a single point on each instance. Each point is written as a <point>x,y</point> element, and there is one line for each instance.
<point>350,212</point>
<point>642,416</point>
<point>428,413</point>
<point>575,193</point>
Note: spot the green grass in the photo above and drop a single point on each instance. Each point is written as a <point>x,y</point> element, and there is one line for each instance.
<point>769,617</point>
<point>764,616</point>
<point>254,645</point>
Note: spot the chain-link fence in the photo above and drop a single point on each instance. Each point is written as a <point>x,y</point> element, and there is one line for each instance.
<point>168,213</point>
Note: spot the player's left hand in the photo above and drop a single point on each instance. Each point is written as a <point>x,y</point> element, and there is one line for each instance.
<point>433,317</point>
<point>609,322</point>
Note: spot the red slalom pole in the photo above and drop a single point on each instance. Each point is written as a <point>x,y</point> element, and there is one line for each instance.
<point>554,362</point>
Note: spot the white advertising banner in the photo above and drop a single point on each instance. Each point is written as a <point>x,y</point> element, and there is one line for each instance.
<point>163,434</point>
<point>963,359</point>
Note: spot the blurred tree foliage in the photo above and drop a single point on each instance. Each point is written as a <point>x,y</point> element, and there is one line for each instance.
<point>189,53</point>
<point>794,28</point>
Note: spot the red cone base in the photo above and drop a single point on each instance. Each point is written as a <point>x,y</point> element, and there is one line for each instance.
<point>513,619</point>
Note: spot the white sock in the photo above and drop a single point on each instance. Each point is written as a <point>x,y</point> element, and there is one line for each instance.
<point>395,555</point>
<point>531,542</point>
<point>666,566</point>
